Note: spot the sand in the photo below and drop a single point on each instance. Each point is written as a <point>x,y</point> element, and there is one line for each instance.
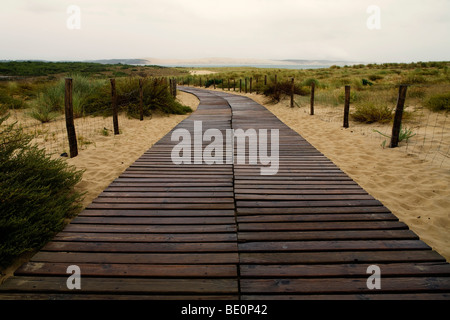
<point>417,191</point>
<point>201,72</point>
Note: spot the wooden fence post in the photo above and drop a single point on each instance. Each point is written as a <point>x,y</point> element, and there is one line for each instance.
<point>174,87</point>
<point>313,87</point>
<point>251,80</point>
<point>240,85</point>
<point>292,92</point>
<point>245,85</point>
<point>70,126</point>
<point>265,80</point>
<point>398,116</point>
<point>114,106</point>
<point>228,84</point>
<point>276,84</point>
<point>234,84</point>
<point>141,99</point>
<point>346,106</point>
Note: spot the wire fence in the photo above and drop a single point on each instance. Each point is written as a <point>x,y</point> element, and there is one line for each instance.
<point>424,133</point>
<point>54,136</point>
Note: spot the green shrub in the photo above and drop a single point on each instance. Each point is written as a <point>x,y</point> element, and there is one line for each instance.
<point>414,78</point>
<point>309,82</point>
<point>36,194</point>
<point>41,110</point>
<point>416,92</point>
<point>439,102</point>
<point>370,112</point>
<point>156,97</point>
<point>284,88</point>
<point>9,101</point>
<point>210,82</point>
<point>375,77</point>
<point>354,96</point>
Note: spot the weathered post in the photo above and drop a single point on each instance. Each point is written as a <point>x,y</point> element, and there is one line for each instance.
<point>292,92</point>
<point>141,99</point>
<point>251,80</point>
<point>114,106</point>
<point>70,126</point>
<point>346,106</point>
<point>313,87</point>
<point>398,116</point>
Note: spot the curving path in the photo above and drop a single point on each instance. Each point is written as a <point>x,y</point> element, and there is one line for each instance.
<point>224,231</point>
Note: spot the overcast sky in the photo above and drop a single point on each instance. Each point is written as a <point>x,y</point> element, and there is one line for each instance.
<point>414,30</point>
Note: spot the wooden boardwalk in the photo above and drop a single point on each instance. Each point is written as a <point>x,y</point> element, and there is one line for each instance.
<point>166,231</point>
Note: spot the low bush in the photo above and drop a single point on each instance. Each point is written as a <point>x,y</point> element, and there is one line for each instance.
<point>277,91</point>
<point>439,102</point>
<point>37,194</point>
<point>211,82</point>
<point>370,112</point>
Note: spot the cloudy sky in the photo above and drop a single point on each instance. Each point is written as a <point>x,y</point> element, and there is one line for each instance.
<point>414,30</point>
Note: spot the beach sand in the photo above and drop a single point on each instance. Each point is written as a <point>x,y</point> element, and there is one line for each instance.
<point>417,191</point>
<point>201,72</point>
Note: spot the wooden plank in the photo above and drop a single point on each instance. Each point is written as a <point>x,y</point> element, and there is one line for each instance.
<point>167,205</point>
<point>307,203</point>
<point>355,296</point>
<point>331,225</point>
<point>340,257</point>
<point>341,270</point>
<point>129,270</point>
<point>325,245</point>
<point>154,220</point>
<point>140,247</point>
<point>316,217</point>
<point>115,297</point>
<point>311,210</point>
<point>122,285</point>
<point>151,228</point>
<point>345,285</point>
<point>133,258</point>
<point>146,237</point>
<point>156,213</point>
<point>326,235</point>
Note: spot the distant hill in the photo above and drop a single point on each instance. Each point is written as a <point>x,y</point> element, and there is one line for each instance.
<point>319,62</point>
<point>242,62</point>
<point>119,61</point>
